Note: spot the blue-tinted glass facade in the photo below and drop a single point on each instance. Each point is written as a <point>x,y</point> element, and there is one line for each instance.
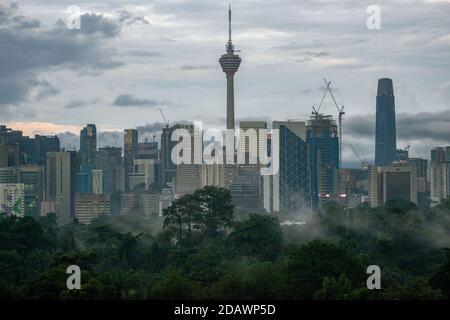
<point>323,144</point>
<point>295,192</point>
<point>385,136</point>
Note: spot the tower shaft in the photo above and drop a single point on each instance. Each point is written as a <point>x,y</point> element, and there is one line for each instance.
<point>230,101</point>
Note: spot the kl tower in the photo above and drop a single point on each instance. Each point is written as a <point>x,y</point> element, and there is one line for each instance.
<point>230,64</point>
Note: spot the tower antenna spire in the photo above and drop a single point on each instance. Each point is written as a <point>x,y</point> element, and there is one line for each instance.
<point>229,22</point>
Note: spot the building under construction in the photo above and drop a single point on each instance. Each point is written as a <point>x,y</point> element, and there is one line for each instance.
<point>322,138</point>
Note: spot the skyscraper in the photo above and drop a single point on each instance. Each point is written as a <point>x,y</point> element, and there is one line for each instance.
<point>130,150</point>
<point>323,141</point>
<point>230,64</point>
<point>88,145</point>
<point>440,174</point>
<point>109,159</point>
<point>385,136</point>
<point>60,182</point>
<point>289,190</point>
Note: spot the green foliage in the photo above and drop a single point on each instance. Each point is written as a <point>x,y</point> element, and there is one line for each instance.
<point>259,236</point>
<point>204,253</point>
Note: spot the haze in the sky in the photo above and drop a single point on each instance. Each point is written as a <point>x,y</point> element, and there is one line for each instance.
<point>132,57</point>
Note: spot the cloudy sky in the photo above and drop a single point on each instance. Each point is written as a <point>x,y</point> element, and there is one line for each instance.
<point>131,57</point>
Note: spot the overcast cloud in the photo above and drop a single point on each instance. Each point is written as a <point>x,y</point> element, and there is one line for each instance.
<point>131,57</point>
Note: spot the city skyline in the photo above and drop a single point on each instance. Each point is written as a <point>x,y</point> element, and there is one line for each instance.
<point>52,97</point>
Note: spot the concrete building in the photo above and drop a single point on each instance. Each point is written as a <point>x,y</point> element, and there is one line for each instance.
<point>12,199</point>
<point>9,136</point>
<point>385,135</point>
<point>60,182</point>
<point>32,176</point>
<point>128,202</point>
<point>88,145</point>
<point>148,168</point>
<point>440,174</point>
<point>130,152</point>
<point>148,150</point>
<point>252,142</point>
<point>9,155</point>
<point>149,204</point>
<point>187,179</point>
<point>396,181</point>
<point>168,143</point>
<point>423,187</point>
<point>109,159</point>
<point>91,206</point>
<point>8,174</point>
<point>97,181</point>
<point>50,207</point>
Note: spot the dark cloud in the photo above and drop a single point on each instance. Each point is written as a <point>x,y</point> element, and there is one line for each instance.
<point>94,24</point>
<point>128,100</point>
<point>128,17</point>
<point>189,67</point>
<point>21,22</point>
<point>79,103</point>
<point>27,48</point>
<point>143,53</point>
<point>423,126</point>
<point>43,89</point>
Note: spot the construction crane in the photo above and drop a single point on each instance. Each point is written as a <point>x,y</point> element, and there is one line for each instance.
<point>363,162</point>
<point>165,120</point>
<point>340,112</point>
<point>341,115</point>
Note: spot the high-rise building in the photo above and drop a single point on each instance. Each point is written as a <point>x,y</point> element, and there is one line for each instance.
<point>91,206</point>
<point>322,138</point>
<point>440,174</point>
<point>10,136</point>
<point>395,181</point>
<point>88,145</point>
<point>42,145</point>
<point>60,182</point>
<point>9,155</point>
<point>149,169</point>
<point>109,159</point>
<point>423,189</point>
<point>149,204</point>
<point>97,181</point>
<point>168,167</point>
<point>130,151</point>
<point>385,135</point>
<point>253,137</point>
<point>289,189</point>
<point>187,179</point>
<point>148,150</point>
<point>12,199</point>
<point>128,202</point>
<point>230,63</point>
<point>32,177</point>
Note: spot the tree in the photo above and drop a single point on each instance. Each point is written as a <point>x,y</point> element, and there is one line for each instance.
<point>258,236</point>
<point>181,217</point>
<point>216,209</point>
<point>441,280</point>
<point>307,266</point>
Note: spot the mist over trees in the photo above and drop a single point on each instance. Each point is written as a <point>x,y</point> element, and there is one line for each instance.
<point>200,249</point>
